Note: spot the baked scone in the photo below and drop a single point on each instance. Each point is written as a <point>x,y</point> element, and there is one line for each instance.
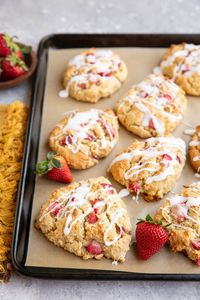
<point>150,167</point>
<point>87,218</point>
<point>154,107</point>
<point>93,74</point>
<point>183,212</point>
<point>181,63</point>
<point>84,137</point>
<point>194,149</point>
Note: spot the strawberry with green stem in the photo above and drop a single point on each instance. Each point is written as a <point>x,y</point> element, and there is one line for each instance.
<point>150,237</point>
<point>13,67</point>
<point>8,47</point>
<point>55,168</point>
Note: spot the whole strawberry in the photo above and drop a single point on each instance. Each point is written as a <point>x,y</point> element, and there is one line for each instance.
<point>12,66</point>
<point>150,237</point>
<point>55,168</point>
<point>6,45</point>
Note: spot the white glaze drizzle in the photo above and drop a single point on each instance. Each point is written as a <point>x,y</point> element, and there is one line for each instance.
<point>151,88</point>
<point>81,126</point>
<point>95,66</point>
<point>188,65</point>
<point>189,131</point>
<point>124,193</point>
<point>157,147</point>
<point>69,201</point>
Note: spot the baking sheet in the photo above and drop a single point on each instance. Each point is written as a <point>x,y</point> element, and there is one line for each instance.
<point>41,252</point>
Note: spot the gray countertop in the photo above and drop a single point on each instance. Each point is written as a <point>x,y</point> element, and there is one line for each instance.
<point>30,21</point>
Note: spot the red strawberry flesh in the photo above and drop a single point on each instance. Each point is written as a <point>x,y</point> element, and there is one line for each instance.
<point>166,157</point>
<point>150,238</point>
<point>92,218</point>
<point>196,244</point>
<point>94,248</point>
<point>55,208</point>
<point>134,187</point>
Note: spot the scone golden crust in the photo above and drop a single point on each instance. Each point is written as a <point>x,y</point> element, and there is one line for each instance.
<point>182,64</point>
<point>83,138</point>
<point>94,74</point>
<point>194,149</point>
<point>87,218</point>
<point>182,212</point>
<point>154,107</point>
<point>150,167</point>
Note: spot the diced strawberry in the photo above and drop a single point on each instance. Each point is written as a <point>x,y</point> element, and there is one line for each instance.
<point>83,124</point>
<point>119,65</point>
<point>144,94</point>
<point>90,137</point>
<point>109,188</point>
<point>105,74</point>
<point>96,209</point>
<point>94,248</point>
<point>112,131</point>
<point>83,86</point>
<point>168,97</point>
<point>95,156</point>
<point>55,208</point>
<point>92,218</point>
<point>69,139</point>
<point>166,157</point>
<point>196,244</point>
<point>151,124</point>
<point>180,218</point>
<point>134,187</point>
<point>198,262</point>
<point>63,141</point>
<point>179,160</point>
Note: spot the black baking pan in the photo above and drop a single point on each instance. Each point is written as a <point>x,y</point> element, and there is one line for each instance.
<point>27,182</point>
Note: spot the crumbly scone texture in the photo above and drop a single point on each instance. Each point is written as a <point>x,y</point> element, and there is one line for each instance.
<point>182,212</point>
<point>83,138</point>
<point>181,63</point>
<point>194,149</point>
<point>94,74</point>
<point>150,167</point>
<point>154,107</point>
<point>87,213</point>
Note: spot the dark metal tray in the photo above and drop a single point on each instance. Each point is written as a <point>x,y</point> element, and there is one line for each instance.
<point>27,182</point>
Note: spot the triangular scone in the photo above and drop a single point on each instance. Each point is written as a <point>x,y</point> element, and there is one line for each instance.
<point>150,167</point>
<point>183,213</point>
<point>87,218</point>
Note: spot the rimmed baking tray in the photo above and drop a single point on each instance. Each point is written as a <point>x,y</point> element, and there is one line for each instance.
<point>27,182</point>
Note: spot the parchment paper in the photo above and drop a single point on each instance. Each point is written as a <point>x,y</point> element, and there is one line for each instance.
<point>41,252</point>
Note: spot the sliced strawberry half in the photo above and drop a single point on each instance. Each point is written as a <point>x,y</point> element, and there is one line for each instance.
<point>196,244</point>
<point>134,187</point>
<point>90,137</point>
<point>94,248</point>
<point>55,208</point>
<point>92,218</point>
